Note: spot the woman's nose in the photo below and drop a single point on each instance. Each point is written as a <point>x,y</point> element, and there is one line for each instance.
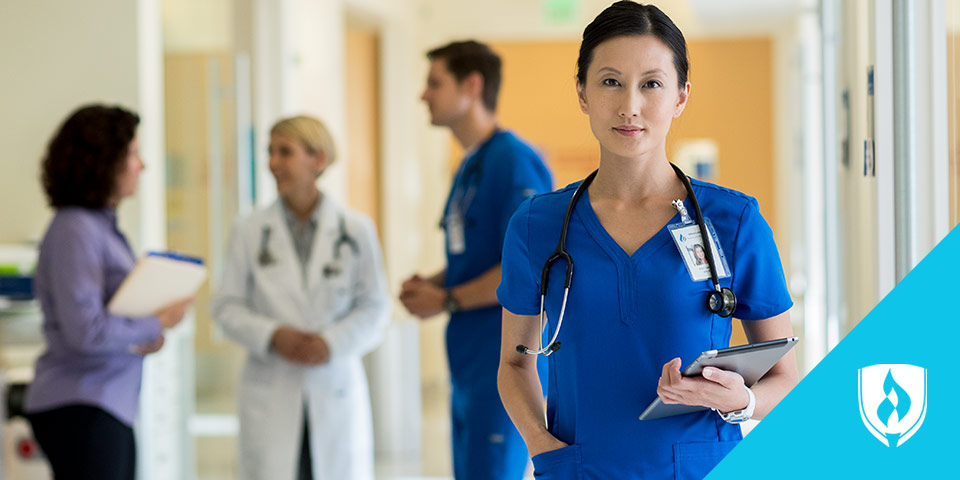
<point>630,105</point>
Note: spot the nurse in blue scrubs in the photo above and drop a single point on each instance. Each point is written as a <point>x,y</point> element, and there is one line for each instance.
<point>635,313</point>
<point>498,172</point>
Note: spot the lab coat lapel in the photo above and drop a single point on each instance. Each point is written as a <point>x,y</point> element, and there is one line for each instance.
<point>281,242</point>
<point>321,253</point>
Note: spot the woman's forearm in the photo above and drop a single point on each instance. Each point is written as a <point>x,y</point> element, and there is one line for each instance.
<point>523,399</point>
<point>771,389</point>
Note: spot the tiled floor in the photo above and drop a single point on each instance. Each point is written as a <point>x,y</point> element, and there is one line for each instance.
<point>216,456</point>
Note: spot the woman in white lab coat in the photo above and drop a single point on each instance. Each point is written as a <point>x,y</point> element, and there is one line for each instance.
<point>303,291</point>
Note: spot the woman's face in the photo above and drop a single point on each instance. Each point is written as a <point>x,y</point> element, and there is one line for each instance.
<point>631,95</point>
<point>701,253</point>
<point>129,177</point>
<point>294,169</point>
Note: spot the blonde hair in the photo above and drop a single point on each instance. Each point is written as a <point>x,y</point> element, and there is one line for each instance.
<point>310,132</point>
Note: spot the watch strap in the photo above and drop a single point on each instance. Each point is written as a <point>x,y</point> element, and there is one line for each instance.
<point>450,303</point>
<point>740,416</point>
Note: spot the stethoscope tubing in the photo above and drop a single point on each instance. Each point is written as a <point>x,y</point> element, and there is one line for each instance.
<point>704,234</point>
<point>266,258</point>
<point>725,294</point>
<point>471,174</point>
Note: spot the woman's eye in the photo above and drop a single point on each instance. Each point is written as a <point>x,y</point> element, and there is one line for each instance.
<point>652,84</point>
<point>609,82</point>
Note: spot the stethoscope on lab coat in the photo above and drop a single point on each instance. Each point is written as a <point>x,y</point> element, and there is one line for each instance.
<point>720,301</point>
<point>265,258</point>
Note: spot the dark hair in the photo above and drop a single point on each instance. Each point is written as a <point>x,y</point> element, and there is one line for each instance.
<point>464,58</point>
<point>630,18</point>
<point>86,155</point>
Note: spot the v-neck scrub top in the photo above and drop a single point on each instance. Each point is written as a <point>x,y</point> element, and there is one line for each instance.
<point>628,315</point>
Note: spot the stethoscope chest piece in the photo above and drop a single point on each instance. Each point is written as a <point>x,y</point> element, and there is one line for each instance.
<point>335,268</point>
<point>331,270</point>
<point>722,302</point>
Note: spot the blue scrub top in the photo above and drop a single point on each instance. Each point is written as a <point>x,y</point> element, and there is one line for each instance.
<point>490,184</point>
<point>628,315</point>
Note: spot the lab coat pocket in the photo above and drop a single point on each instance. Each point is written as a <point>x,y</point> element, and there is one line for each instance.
<point>560,464</point>
<point>338,294</point>
<point>695,460</point>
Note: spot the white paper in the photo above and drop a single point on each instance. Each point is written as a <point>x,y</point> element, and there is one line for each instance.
<point>154,283</point>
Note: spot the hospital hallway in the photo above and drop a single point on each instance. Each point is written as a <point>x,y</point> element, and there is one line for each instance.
<point>838,119</point>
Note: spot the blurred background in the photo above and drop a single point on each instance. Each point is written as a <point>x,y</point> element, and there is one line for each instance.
<point>840,117</point>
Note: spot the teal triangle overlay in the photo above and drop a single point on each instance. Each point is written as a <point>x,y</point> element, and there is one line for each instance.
<point>816,431</point>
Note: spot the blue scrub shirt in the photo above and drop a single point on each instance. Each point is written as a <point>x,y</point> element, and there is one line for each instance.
<point>628,315</point>
<point>490,184</point>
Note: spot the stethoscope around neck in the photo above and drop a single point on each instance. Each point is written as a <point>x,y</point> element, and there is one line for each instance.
<point>472,171</point>
<point>720,301</point>
<point>266,258</point>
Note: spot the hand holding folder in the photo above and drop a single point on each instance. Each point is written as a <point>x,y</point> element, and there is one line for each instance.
<point>157,280</point>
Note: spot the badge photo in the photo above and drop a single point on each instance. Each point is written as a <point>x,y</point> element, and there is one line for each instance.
<point>690,244</point>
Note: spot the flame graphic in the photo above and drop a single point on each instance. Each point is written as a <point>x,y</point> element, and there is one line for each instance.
<point>887,408</point>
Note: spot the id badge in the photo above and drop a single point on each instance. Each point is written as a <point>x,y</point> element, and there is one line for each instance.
<point>456,241</point>
<point>690,244</point>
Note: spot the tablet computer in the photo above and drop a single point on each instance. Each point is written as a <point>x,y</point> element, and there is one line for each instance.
<point>751,361</point>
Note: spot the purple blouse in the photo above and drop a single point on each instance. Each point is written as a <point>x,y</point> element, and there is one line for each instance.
<point>83,260</point>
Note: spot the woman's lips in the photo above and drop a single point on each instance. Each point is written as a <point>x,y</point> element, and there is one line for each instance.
<point>628,130</point>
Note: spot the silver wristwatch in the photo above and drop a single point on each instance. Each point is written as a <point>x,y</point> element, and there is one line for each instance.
<point>450,304</point>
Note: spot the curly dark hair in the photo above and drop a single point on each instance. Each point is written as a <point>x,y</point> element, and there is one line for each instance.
<point>87,155</point>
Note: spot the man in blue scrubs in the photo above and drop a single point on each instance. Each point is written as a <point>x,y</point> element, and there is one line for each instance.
<point>497,173</point>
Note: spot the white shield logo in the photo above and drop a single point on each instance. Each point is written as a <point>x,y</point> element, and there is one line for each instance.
<point>893,401</point>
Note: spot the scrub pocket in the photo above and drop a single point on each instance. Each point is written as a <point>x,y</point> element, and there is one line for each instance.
<point>693,461</point>
<point>560,464</point>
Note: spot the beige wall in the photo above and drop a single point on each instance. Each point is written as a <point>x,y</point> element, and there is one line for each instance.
<point>727,74</point>
<point>191,26</point>
<point>953,106</point>
<point>51,65</point>
<point>731,102</point>
<point>362,82</point>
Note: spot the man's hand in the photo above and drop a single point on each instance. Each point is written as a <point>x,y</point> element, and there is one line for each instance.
<point>421,297</point>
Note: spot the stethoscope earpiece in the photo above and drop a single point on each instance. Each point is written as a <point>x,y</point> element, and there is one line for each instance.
<point>552,347</point>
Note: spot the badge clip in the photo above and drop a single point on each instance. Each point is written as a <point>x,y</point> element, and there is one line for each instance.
<point>682,209</point>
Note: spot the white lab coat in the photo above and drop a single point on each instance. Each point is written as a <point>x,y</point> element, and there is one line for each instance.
<point>350,310</point>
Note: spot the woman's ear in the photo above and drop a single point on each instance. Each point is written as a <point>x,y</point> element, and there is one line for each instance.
<point>682,100</point>
<point>320,162</point>
<point>582,97</point>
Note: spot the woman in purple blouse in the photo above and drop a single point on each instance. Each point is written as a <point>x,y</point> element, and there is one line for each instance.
<point>84,396</point>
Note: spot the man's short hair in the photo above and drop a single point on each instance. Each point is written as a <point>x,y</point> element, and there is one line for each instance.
<point>466,57</point>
